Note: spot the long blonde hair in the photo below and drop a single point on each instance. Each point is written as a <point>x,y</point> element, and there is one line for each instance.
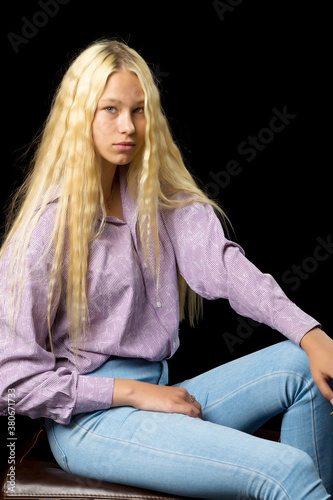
<point>66,162</point>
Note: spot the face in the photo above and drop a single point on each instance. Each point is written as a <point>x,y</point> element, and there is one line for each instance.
<point>119,124</point>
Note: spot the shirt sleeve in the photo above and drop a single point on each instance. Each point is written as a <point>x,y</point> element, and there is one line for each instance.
<point>29,373</point>
<point>215,267</point>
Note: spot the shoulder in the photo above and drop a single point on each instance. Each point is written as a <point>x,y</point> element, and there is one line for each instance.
<point>43,226</point>
<point>34,236</point>
<point>31,247</point>
<point>185,208</point>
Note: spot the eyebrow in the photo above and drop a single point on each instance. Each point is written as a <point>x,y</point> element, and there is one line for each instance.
<point>116,101</point>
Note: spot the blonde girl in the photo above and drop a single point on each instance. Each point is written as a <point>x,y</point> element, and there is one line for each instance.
<point>109,243</point>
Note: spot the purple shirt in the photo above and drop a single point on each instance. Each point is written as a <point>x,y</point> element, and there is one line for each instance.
<point>127,317</point>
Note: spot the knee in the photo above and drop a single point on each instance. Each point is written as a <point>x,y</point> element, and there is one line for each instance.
<point>294,359</point>
<point>294,460</point>
<point>293,363</point>
<point>294,474</point>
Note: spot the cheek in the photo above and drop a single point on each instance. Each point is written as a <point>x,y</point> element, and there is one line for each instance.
<point>98,133</point>
<point>94,131</point>
<point>142,132</point>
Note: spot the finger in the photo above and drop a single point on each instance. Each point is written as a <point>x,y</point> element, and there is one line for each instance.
<point>187,404</point>
<point>196,410</point>
<point>197,405</point>
<point>192,409</point>
<point>325,389</point>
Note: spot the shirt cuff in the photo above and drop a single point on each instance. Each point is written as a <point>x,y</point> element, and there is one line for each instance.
<point>93,393</point>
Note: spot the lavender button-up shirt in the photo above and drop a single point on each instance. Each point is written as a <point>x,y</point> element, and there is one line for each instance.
<point>128,318</point>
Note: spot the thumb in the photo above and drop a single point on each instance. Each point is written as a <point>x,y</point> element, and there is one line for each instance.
<point>324,385</point>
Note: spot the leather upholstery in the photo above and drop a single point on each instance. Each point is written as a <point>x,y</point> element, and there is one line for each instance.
<point>39,477</point>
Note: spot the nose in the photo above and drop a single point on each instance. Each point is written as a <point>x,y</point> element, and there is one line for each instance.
<point>125,122</point>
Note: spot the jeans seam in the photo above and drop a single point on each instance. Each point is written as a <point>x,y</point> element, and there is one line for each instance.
<point>315,444</point>
<point>253,382</point>
<point>63,455</point>
<point>242,387</point>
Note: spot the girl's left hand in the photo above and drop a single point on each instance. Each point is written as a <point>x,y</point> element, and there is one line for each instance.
<point>319,348</point>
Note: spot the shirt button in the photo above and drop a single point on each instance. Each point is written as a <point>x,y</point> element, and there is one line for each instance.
<point>159,304</point>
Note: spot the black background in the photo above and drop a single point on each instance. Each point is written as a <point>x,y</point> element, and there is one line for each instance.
<point>222,72</point>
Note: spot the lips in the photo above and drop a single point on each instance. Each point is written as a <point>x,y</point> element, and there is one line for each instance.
<point>124,146</point>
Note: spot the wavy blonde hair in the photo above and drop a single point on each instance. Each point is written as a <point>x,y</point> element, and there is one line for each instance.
<point>66,161</point>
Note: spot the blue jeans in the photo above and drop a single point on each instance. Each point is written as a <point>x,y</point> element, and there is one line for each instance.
<point>217,457</point>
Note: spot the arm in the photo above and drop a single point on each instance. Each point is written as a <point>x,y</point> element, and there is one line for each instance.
<point>43,388</point>
<point>215,267</point>
<point>319,348</point>
<point>220,269</point>
<point>151,397</point>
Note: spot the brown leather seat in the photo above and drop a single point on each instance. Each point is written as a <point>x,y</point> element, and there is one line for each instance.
<point>39,477</point>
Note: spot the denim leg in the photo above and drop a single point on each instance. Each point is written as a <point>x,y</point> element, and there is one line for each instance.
<point>247,392</point>
<point>185,456</point>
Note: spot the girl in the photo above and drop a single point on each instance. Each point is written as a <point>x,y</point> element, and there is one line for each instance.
<point>111,243</point>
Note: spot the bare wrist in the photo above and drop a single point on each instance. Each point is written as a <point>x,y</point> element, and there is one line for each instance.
<point>123,392</point>
<point>311,336</point>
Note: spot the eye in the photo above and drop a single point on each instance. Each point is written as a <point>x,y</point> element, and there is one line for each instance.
<point>111,109</point>
<point>139,110</point>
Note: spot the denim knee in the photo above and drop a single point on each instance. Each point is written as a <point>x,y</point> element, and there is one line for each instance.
<point>293,356</point>
<point>294,361</point>
<point>295,476</point>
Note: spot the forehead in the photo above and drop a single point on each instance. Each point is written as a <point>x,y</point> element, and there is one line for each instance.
<point>123,86</point>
